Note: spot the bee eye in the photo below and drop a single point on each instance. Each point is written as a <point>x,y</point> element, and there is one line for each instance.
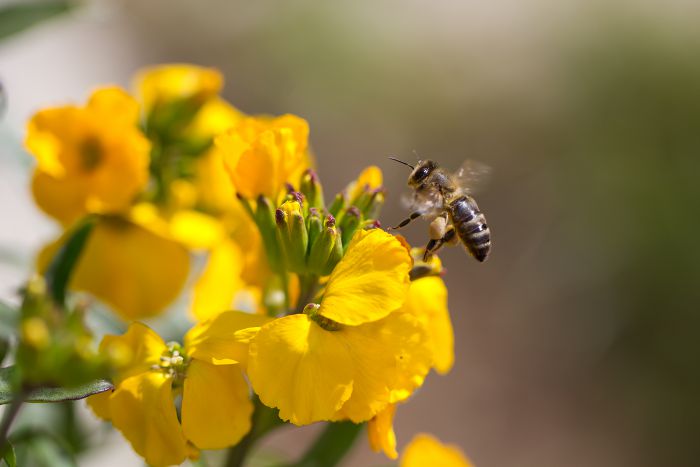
<point>422,173</point>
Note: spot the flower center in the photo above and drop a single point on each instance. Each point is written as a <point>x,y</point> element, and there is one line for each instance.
<point>90,154</point>
<point>311,310</point>
<point>174,362</point>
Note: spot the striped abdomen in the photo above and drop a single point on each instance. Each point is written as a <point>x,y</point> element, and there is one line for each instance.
<point>470,225</point>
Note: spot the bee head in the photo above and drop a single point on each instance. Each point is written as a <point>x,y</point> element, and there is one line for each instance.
<point>421,173</point>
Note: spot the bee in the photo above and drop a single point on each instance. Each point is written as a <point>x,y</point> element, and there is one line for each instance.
<point>444,200</point>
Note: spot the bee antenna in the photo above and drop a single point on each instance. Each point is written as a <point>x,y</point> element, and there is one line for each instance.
<point>401,162</point>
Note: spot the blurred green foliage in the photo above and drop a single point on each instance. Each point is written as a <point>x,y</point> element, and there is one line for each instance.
<point>19,16</point>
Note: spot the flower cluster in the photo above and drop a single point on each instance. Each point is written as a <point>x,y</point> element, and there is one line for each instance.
<point>301,306</point>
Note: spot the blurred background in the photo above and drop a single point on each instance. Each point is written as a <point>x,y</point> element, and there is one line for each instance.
<point>578,342</point>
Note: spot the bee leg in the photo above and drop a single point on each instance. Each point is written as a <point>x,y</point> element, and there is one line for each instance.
<point>405,222</point>
<point>438,227</point>
<point>434,245</point>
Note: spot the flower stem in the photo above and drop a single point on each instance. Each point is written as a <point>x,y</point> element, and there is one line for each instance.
<point>265,420</point>
<point>308,284</point>
<point>7,418</point>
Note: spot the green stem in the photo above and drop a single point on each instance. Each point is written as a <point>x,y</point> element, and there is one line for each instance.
<point>308,284</point>
<point>331,445</point>
<point>265,420</point>
<point>7,418</point>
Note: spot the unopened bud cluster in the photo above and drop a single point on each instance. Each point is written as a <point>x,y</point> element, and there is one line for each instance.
<point>55,347</point>
<point>303,236</point>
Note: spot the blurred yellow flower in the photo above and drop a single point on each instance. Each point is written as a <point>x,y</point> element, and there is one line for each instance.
<point>216,406</point>
<point>426,450</point>
<point>127,264</point>
<point>177,82</point>
<point>314,368</point>
<point>91,159</point>
<point>261,154</point>
<point>369,179</point>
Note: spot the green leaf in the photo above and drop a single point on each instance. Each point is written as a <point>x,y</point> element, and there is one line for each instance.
<point>10,457</point>
<point>59,271</point>
<point>331,446</point>
<point>20,16</point>
<point>8,383</point>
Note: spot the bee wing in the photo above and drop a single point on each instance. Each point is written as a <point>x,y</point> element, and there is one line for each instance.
<point>428,206</point>
<point>472,176</point>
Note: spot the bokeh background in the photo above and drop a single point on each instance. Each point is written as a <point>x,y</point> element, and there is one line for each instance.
<point>578,342</point>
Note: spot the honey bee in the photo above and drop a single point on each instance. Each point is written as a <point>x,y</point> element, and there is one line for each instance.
<point>444,200</point>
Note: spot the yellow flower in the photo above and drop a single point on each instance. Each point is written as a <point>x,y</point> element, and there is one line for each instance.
<point>127,264</point>
<point>314,368</point>
<point>380,431</point>
<point>177,82</point>
<point>426,450</point>
<point>91,159</point>
<point>427,301</point>
<point>261,154</point>
<point>216,406</point>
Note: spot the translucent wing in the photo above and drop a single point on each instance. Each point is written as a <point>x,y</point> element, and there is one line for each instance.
<point>473,176</point>
<point>428,206</point>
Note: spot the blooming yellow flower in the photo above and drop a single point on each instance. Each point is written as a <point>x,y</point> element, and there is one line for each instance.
<point>426,450</point>
<point>91,159</point>
<point>177,82</point>
<point>216,406</point>
<point>261,154</point>
<point>314,366</point>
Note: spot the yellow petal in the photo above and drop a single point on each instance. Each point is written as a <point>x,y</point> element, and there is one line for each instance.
<point>262,153</point>
<point>99,403</point>
<point>218,284</point>
<point>143,410</point>
<point>300,368</point>
<point>370,281</point>
<point>214,117</point>
<point>134,352</point>
<point>214,188</point>
<point>380,431</point>
<point>390,360</point>
<point>369,179</point>
<point>196,230</point>
<point>115,104</point>
<point>177,81</point>
<point>132,269</point>
<point>64,202</point>
<point>425,450</point>
<point>427,300</point>
<point>223,339</point>
<point>216,406</point>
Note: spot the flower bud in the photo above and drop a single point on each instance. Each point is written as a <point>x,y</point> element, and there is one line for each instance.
<point>311,188</point>
<point>323,254</point>
<point>293,236</point>
<point>314,225</point>
<point>349,223</point>
<point>265,220</point>
<point>337,205</point>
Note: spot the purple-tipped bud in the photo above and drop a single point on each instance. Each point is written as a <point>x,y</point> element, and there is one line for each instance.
<point>353,211</point>
<point>330,220</point>
<point>289,187</point>
<point>313,212</point>
<point>280,216</point>
<point>297,196</point>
